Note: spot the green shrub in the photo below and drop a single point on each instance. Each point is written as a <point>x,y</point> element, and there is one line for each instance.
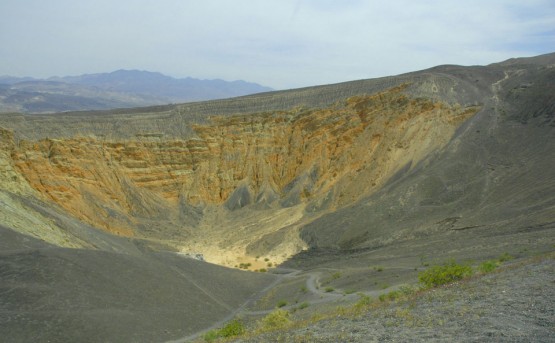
<point>231,329</point>
<point>336,275</point>
<point>281,303</point>
<point>211,336</point>
<point>440,275</point>
<point>329,289</point>
<point>488,266</point>
<point>277,319</point>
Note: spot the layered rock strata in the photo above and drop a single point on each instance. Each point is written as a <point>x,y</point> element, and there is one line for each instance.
<point>320,158</point>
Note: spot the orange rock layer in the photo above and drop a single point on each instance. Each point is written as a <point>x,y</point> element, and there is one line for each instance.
<point>349,148</point>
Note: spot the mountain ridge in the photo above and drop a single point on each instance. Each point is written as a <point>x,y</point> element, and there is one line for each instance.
<point>118,89</point>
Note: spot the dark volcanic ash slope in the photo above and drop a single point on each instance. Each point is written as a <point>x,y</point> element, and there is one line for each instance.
<point>53,294</point>
<point>494,178</point>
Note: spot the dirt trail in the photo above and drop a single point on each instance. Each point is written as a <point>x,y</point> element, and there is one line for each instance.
<point>241,310</point>
<point>312,285</point>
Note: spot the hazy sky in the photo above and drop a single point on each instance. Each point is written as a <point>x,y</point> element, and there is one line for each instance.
<point>277,43</point>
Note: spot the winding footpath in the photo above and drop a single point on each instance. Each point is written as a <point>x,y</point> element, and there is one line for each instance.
<point>312,286</point>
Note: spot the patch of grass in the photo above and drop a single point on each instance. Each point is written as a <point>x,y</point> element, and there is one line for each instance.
<point>505,257</point>
<point>266,259</point>
<point>211,336</point>
<point>407,290</point>
<point>336,275</point>
<point>329,289</point>
<point>349,291</point>
<point>231,329</point>
<point>403,313</point>
<point>440,275</point>
<point>304,289</point>
<point>263,270</point>
<point>488,266</point>
<point>281,303</point>
<point>275,320</point>
<point>391,296</point>
<point>378,268</point>
<point>303,306</point>
<point>362,303</point>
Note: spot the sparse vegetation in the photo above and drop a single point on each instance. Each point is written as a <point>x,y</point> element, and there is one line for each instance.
<point>303,305</point>
<point>402,313</point>
<point>407,290</point>
<point>447,273</point>
<point>281,303</point>
<point>231,329</point>
<point>488,266</point>
<point>391,296</point>
<point>423,261</point>
<point>329,289</point>
<point>505,257</point>
<point>277,319</point>
<point>362,303</point>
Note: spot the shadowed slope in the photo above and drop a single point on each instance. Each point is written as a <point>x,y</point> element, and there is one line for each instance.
<point>55,294</point>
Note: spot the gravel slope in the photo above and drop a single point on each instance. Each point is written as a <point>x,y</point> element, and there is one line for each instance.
<point>515,304</point>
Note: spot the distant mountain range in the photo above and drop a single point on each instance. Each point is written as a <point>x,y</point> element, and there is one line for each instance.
<point>121,88</point>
